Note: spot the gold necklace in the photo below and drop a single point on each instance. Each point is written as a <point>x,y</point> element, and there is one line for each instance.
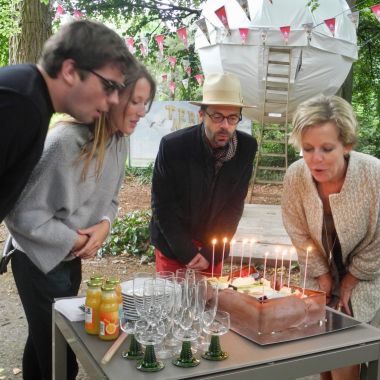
<point>330,250</point>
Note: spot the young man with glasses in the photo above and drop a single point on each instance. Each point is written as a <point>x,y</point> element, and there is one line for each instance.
<point>80,72</point>
<point>200,181</point>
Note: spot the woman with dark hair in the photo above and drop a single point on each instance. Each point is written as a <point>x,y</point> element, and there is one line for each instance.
<point>66,211</point>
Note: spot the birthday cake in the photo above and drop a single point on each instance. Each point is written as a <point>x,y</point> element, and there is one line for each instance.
<point>259,309</point>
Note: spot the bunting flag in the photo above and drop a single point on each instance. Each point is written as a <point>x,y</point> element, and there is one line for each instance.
<point>354,17</point>
<point>222,15</point>
<point>201,23</point>
<point>376,10</point>
<point>182,34</point>
<point>285,30</point>
<point>331,25</point>
<point>77,14</point>
<point>130,44</point>
<point>188,71</point>
<point>164,77</point>
<point>160,42</point>
<point>308,27</point>
<point>244,5</point>
<point>172,61</point>
<point>185,83</point>
<point>199,78</point>
<point>59,12</point>
<point>144,46</point>
<point>244,35</point>
<point>172,86</point>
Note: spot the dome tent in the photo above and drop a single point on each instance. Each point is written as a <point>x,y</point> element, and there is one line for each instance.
<point>320,61</point>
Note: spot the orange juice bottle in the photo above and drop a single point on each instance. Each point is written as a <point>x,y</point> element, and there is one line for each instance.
<point>109,313</point>
<point>92,304</point>
<point>116,282</point>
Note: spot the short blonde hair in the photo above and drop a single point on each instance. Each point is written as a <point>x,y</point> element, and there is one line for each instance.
<point>322,109</point>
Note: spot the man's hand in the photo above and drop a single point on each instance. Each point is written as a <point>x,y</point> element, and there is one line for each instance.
<point>198,263</point>
<point>325,284</point>
<point>96,235</point>
<point>347,284</point>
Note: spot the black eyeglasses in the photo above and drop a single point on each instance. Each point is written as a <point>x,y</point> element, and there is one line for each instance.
<point>219,118</point>
<point>109,86</point>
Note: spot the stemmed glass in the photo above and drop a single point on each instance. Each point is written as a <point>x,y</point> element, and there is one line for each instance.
<point>128,326</point>
<point>219,325</point>
<point>149,335</point>
<point>186,330</point>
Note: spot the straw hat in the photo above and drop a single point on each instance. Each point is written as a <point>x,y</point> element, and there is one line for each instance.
<point>222,89</point>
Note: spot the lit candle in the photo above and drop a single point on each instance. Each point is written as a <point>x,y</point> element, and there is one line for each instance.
<point>232,243</point>
<point>252,242</point>
<point>213,257</point>
<point>242,254</point>
<point>304,277</point>
<point>265,264</point>
<point>282,266</point>
<point>224,248</point>
<point>275,271</point>
<point>290,264</point>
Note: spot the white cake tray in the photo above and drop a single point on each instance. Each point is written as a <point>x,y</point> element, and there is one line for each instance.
<point>334,321</point>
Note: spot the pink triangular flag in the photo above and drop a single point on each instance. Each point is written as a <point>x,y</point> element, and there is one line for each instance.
<point>130,44</point>
<point>285,30</point>
<point>182,34</point>
<point>172,86</point>
<point>222,15</point>
<point>172,61</point>
<point>188,70</point>
<point>164,77</point>
<point>331,25</point>
<point>59,12</point>
<point>376,10</point>
<point>160,42</point>
<point>244,34</point>
<point>77,14</point>
<point>199,78</point>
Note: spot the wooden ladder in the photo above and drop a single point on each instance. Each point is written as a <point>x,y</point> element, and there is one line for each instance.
<point>272,154</point>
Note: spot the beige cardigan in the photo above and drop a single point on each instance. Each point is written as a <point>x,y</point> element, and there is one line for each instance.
<point>356,217</point>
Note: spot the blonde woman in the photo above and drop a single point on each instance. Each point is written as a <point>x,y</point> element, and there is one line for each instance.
<point>65,213</point>
<point>331,202</point>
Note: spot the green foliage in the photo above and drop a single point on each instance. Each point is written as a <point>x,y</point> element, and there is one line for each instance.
<point>129,234</point>
<point>142,175</point>
<point>9,19</point>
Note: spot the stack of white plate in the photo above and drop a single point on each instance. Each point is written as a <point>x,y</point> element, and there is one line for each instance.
<point>128,300</point>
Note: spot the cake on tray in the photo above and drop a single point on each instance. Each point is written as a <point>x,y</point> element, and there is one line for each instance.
<point>256,308</point>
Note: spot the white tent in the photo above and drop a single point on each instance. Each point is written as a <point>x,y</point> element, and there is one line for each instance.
<point>319,63</point>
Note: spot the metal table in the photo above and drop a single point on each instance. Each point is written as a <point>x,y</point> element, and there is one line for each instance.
<point>247,360</point>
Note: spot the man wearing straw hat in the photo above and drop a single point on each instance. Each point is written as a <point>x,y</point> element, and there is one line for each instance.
<point>200,181</point>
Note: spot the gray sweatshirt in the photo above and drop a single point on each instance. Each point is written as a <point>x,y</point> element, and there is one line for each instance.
<point>56,202</point>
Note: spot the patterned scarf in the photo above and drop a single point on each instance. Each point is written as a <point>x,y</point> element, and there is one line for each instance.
<point>224,153</point>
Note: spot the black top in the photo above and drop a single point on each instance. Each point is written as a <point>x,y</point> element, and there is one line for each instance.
<point>190,201</point>
<point>25,112</point>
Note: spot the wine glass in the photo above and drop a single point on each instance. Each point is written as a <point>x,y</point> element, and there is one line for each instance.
<point>138,290</point>
<point>186,330</point>
<point>149,335</point>
<point>153,299</point>
<point>218,326</point>
<point>128,326</point>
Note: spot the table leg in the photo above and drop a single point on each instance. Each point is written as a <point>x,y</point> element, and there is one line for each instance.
<point>373,372</point>
<point>59,353</point>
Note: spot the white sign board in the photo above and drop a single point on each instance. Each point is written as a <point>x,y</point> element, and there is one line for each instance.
<point>164,118</point>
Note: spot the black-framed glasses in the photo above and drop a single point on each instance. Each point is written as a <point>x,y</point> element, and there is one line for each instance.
<point>219,118</point>
<point>109,85</point>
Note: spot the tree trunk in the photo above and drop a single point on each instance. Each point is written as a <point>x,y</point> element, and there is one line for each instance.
<point>35,28</point>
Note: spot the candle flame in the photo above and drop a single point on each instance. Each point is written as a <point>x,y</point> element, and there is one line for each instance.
<point>253,241</point>
<point>233,241</point>
<point>309,248</point>
<point>266,254</point>
<point>214,241</point>
<point>225,240</point>
<point>277,249</point>
<point>292,250</point>
<point>284,252</point>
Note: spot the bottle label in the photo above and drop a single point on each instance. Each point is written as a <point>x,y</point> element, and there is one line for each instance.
<point>88,315</point>
<point>109,323</point>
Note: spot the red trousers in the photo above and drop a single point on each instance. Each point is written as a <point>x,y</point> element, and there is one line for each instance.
<point>163,263</point>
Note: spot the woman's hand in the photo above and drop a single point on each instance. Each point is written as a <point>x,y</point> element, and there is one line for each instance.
<point>95,237</point>
<point>325,282</point>
<point>347,284</point>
